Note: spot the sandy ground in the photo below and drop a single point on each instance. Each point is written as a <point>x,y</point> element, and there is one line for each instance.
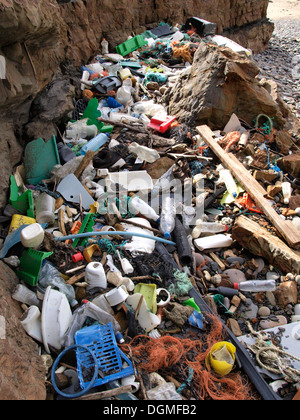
<point>284,9</point>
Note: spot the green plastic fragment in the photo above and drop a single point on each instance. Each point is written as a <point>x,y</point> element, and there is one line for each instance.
<point>131,45</point>
<point>21,202</point>
<point>39,159</point>
<point>92,113</point>
<point>30,265</point>
<point>87,226</point>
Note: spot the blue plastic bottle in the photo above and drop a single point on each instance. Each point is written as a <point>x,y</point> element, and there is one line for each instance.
<point>94,144</point>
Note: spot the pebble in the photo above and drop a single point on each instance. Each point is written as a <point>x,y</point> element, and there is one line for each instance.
<point>234,260</point>
<point>269,323</point>
<point>249,310</point>
<point>235,276</point>
<point>271,275</point>
<point>264,311</point>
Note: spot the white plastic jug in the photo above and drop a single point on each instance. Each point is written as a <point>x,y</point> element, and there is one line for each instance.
<point>32,236</point>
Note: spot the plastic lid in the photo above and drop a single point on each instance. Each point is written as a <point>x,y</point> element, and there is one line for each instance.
<point>236,286</point>
<point>167,235</point>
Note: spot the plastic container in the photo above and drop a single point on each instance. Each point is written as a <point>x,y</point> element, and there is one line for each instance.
<point>138,206</point>
<point>22,294</point>
<point>32,236</point>
<point>144,153</point>
<point>56,318</point>
<point>104,46</point>
<point>227,179</point>
<point>123,95</point>
<point>221,358</point>
<point>147,320</point>
<point>165,391</point>
<point>116,296</point>
<point>45,208</point>
<point>168,216</point>
<point>31,321</point>
<point>50,276</point>
<point>207,229</point>
<point>80,130</point>
<point>103,317</point>
<point>287,192</point>
<point>95,144</point>
<point>95,276</point>
<point>125,73</point>
<point>256,286</point>
<point>65,153</point>
<point>212,242</point>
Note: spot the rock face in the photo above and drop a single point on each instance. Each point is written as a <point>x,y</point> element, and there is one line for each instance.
<point>218,84</point>
<point>22,374</point>
<point>39,39</point>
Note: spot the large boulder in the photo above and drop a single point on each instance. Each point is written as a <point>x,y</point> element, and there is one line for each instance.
<point>221,82</point>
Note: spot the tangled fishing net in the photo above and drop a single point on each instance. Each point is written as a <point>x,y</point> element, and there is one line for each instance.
<point>186,355</point>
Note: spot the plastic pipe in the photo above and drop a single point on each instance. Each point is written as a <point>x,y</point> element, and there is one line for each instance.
<point>183,247</point>
<point>90,385</point>
<point>89,234</point>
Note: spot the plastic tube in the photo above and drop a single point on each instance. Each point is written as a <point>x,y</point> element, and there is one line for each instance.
<point>89,234</point>
<point>90,385</point>
<point>183,246</point>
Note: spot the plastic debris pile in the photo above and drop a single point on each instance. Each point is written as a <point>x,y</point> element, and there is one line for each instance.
<point>122,235</point>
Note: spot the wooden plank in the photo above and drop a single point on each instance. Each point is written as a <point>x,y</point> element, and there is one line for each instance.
<point>255,190</point>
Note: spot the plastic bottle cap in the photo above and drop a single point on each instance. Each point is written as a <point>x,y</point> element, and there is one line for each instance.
<point>85,301</point>
<point>77,257</point>
<point>167,235</point>
<point>234,195</point>
<point>236,286</point>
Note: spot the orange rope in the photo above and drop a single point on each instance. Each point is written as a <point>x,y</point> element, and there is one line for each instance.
<point>167,352</point>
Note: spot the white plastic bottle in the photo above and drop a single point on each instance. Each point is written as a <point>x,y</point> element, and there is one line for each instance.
<point>22,294</point>
<point>45,208</point>
<point>168,215</point>
<point>140,207</point>
<point>104,45</point>
<point>227,179</point>
<point>287,192</point>
<point>144,153</point>
<point>256,286</point>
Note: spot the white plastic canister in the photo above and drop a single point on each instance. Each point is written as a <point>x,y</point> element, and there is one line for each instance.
<point>95,276</point>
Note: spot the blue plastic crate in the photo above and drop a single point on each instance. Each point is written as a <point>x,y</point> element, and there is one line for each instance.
<point>100,339</point>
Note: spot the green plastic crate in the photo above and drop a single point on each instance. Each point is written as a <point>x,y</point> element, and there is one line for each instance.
<point>30,265</point>
<point>131,45</point>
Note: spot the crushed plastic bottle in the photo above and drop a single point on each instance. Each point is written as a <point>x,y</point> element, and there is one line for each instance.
<point>50,276</point>
<point>139,206</point>
<point>168,215</point>
<point>256,286</point>
<point>208,228</point>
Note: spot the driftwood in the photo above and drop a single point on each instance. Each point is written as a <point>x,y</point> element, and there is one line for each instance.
<point>285,228</point>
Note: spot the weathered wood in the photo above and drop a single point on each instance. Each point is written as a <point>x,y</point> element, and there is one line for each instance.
<point>255,190</point>
<point>84,163</point>
<point>262,243</point>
